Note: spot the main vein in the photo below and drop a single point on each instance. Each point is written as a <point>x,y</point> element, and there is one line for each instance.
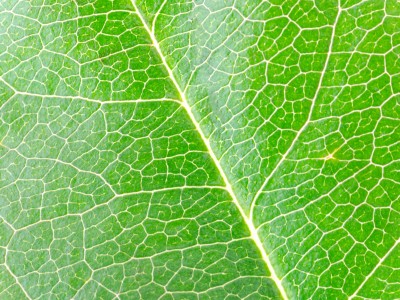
<point>206,141</point>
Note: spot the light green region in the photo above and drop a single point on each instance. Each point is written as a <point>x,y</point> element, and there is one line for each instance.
<point>108,190</point>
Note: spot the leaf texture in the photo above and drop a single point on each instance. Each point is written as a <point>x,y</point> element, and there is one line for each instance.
<point>232,149</point>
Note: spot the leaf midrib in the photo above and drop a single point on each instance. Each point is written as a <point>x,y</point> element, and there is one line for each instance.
<point>253,232</point>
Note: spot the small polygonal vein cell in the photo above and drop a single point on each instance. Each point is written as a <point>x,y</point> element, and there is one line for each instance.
<point>154,149</point>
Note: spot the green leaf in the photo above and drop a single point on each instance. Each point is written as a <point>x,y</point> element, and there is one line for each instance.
<point>232,149</point>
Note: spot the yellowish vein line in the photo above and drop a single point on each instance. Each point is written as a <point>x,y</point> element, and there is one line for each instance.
<point>206,141</point>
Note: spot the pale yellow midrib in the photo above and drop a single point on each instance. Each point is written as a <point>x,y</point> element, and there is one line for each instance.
<point>247,220</point>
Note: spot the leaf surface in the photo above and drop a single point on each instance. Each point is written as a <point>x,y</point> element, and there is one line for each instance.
<point>199,149</point>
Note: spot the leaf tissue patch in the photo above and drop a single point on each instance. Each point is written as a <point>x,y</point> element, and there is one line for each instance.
<point>199,149</point>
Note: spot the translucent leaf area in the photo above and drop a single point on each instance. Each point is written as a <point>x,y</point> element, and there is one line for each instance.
<point>199,149</point>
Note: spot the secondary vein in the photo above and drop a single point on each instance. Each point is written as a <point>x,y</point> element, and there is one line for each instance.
<point>305,125</point>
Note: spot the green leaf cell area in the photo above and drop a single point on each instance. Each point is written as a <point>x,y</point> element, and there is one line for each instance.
<point>199,149</point>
